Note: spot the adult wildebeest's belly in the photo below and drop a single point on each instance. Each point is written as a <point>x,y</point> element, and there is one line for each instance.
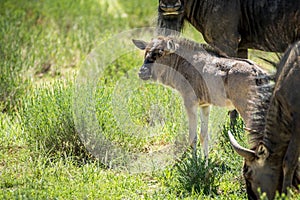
<point>269,26</point>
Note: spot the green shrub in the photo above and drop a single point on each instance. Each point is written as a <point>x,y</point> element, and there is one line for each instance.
<point>195,176</point>
<point>48,120</point>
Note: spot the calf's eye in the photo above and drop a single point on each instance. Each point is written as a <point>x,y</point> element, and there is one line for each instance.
<point>160,52</point>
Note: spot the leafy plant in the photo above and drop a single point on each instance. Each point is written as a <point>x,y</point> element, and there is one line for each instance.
<point>199,175</point>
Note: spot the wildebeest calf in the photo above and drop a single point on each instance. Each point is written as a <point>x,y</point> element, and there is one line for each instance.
<point>201,76</point>
<point>272,164</point>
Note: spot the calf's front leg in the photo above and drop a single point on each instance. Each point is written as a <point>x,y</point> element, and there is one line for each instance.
<point>204,136</point>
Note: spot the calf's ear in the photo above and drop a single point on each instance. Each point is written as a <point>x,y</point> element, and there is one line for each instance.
<point>172,46</point>
<point>140,44</point>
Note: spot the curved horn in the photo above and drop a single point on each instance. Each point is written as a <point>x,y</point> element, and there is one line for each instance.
<point>242,151</point>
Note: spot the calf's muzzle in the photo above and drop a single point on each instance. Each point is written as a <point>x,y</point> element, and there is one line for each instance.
<point>145,72</point>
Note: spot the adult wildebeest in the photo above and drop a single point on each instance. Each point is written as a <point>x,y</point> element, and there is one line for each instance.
<point>233,26</point>
<point>272,164</point>
<point>201,76</point>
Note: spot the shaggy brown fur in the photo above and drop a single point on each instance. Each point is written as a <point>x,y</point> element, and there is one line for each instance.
<point>234,26</point>
<point>275,131</point>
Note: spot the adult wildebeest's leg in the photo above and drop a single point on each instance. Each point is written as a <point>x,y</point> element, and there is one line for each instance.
<point>191,109</point>
<point>233,114</point>
<point>292,155</point>
<point>242,53</point>
<point>204,136</point>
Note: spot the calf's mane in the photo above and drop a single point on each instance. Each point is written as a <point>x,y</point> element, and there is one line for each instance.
<point>189,45</point>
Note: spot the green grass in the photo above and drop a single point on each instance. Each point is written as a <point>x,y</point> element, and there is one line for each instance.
<point>44,154</point>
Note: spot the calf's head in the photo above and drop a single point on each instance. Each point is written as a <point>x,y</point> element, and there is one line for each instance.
<point>260,171</point>
<point>155,52</point>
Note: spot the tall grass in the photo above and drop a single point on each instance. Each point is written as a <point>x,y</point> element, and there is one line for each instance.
<point>48,121</point>
<point>14,60</point>
<point>49,38</point>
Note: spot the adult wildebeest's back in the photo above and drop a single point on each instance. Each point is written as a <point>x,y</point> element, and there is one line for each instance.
<point>273,163</point>
<point>234,26</point>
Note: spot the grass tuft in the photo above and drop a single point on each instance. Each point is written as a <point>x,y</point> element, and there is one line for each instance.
<point>198,175</point>
<point>48,120</point>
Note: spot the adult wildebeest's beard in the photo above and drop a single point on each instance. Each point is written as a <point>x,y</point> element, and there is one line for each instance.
<point>250,193</point>
<point>170,24</point>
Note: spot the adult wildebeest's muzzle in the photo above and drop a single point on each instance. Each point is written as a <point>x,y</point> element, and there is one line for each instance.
<point>169,8</point>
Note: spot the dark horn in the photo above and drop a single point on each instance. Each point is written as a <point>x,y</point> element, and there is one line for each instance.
<point>242,151</point>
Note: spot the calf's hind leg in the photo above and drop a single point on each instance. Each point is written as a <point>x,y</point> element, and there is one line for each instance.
<point>191,109</point>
